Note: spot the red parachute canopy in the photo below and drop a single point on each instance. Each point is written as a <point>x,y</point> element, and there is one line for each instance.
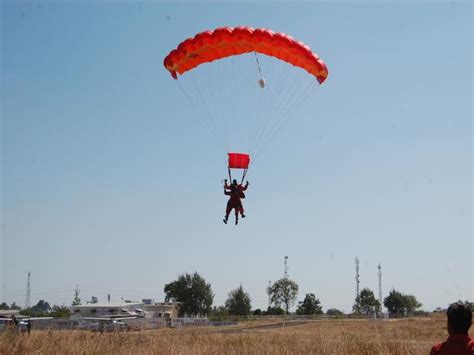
<point>239,161</point>
<point>224,42</point>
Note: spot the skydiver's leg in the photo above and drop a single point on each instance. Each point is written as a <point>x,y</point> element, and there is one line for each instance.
<point>236,208</point>
<point>227,212</point>
<point>241,209</point>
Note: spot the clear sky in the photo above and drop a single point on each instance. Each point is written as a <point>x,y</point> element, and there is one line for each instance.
<point>110,181</point>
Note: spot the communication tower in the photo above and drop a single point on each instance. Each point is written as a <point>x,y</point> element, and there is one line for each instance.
<point>357,277</point>
<point>286,267</point>
<point>28,292</point>
<point>380,286</point>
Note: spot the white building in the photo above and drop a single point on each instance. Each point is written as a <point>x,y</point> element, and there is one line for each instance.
<point>107,310</point>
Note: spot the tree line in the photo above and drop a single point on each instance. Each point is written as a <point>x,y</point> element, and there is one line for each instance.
<point>195,297</point>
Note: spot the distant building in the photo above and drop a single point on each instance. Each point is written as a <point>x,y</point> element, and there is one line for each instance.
<point>9,312</point>
<point>107,310</point>
<point>144,309</point>
<point>162,310</point>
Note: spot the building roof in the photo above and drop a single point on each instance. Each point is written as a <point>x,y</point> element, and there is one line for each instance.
<point>109,305</point>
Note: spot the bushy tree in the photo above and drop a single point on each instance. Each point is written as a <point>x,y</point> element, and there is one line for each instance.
<point>334,312</point>
<point>274,311</point>
<point>257,312</point>
<point>60,311</point>
<point>310,305</point>
<point>283,292</point>
<point>94,299</point>
<point>15,307</point>
<point>411,304</point>
<point>4,306</point>
<point>366,303</point>
<point>399,304</point>
<point>219,313</point>
<point>193,292</point>
<point>394,302</point>
<point>238,302</point>
<point>41,307</point>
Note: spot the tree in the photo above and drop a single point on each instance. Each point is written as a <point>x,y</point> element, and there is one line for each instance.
<point>283,291</point>
<point>42,307</point>
<point>14,307</point>
<point>334,312</point>
<point>94,300</point>
<point>76,301</point>
<point>193,292</point>
<point>310,305</point>
<point>219,313</point>
<point>4,306</point>
<point>60,311</point>
<point>411,304</point>
<point>400,304</point>
<point>238,302</point>
<point>274,311</point>
<point>257,312</point>
<point>366,303</point>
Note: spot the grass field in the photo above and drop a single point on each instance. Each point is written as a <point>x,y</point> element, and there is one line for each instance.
<point>405,336</point>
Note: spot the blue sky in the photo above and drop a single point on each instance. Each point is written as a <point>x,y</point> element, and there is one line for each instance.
<point>110,179</point>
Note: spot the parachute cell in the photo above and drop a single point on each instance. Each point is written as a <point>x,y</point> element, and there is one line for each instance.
<point>224,42</point>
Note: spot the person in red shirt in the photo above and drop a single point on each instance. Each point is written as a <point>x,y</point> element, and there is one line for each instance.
<point>236,193</point>
<point>459,342</point>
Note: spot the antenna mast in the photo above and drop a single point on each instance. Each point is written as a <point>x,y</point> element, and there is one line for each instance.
<point>28,292</point>
<point>286,267</point>
<point>357,277</point>
<point>380,286</point>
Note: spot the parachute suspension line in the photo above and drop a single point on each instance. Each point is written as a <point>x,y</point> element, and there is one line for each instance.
<point>232,105</point>
<point>309,89</point>
<point>276,94</point>
<point>211,120</point>
<point>276,112</point>
<point>262,103</point>
<point>258,65</point>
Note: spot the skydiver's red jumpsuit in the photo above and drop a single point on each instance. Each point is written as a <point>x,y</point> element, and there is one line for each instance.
<point>236,192</point>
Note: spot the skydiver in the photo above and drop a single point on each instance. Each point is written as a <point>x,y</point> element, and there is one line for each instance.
<point>236,193</point>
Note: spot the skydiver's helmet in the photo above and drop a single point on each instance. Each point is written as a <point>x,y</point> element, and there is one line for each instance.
<point>234,182</point>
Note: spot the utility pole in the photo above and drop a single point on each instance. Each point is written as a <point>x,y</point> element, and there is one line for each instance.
<point>28,292</point>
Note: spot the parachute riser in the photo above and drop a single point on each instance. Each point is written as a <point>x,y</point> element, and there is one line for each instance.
<point>243,176</point>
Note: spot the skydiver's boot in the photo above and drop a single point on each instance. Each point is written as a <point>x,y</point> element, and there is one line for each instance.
<point>236,221</point>
<point>225,220</point>
<point>243,216</point>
